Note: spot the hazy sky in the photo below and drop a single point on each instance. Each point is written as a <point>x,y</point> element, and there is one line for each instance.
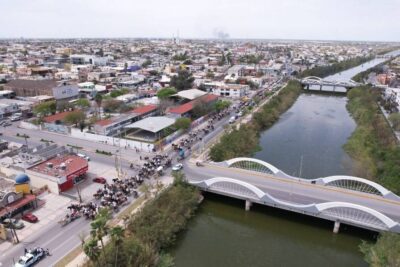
<point>376,20</point>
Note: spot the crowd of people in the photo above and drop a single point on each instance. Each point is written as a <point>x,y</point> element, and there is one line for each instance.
<point>198,134</point>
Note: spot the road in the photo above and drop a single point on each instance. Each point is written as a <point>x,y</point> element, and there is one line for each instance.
<point>298,192</point>
<point>59,240</point>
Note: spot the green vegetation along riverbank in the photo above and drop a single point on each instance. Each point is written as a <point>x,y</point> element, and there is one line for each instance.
<point>373,144</point>
<point>244,141</point>
<point>323,71</point>
<point>378,69</point>
<point>147,233</point>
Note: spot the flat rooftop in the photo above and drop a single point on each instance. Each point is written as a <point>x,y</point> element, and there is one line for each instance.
<point>54,166</point>
<point>152,124</point>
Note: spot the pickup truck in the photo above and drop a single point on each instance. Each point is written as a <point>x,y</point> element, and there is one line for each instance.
<point>30,258</point>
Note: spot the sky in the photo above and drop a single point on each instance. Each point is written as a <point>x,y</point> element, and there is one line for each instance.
<point>364,20</point>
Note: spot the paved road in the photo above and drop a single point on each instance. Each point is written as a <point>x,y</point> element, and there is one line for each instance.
<point>298,192</point>
<point>59,240</point>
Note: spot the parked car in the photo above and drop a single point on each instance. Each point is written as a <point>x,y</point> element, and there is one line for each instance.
<point>5,123</point>
<point>100,180</point>
<point>29,217</point>
<point>232,119</point>
<point>16,223</point>
<point>83,156</point>
<point>177,167</point>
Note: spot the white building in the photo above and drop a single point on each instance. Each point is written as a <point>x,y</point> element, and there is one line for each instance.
<point>227,90</point>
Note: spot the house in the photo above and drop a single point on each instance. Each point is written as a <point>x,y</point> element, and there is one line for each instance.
<point>31,87</point>
<point>186,109</point>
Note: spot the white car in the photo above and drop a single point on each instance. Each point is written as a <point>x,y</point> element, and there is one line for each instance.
<point>83,156</point>
<point>177,167</point>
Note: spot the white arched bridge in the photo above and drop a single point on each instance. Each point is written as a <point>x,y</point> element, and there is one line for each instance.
<point>342,199</point>
<point>317,81</point>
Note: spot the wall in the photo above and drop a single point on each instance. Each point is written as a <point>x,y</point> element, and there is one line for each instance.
<point>111,140</point>
<point>58,128</point>
<point>39,180</point>
<point>28,126</point>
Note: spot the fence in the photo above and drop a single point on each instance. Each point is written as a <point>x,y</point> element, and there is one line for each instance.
<point>114,141</point>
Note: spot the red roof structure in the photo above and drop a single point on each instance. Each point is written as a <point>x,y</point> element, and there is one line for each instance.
<point>182,109</point>
<point>17,204</point>
<point>144,109</point>
<point>56,117</point>
<point>62,166</point>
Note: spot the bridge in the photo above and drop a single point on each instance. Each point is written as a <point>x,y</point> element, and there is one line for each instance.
<point>317,81</point>
<point>340,199</point>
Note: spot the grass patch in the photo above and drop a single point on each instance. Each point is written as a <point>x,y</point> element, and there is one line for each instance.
<point>103,152</point>
<point>76,147</point>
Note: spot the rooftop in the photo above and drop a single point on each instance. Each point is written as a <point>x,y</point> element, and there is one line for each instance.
<point>152,124</point>
<point>190,94</point>
<point>60,166</point>
<point>144,109</point>
<point>56,117</point>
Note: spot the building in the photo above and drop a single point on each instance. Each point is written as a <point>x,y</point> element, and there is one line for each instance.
<point>227,90</point>
<point>15,197</point>
<point>116,124</point>
<point>185,110</point>
<point>149,129</point>
<point>31,87</point>
<point>65,92</point>
<point>59,173</point>
<point>88,59</point>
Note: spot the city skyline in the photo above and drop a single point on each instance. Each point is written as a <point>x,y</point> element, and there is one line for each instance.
<point>353,20</point>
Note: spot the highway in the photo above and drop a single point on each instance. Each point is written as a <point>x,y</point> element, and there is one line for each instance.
<point>294,191</point>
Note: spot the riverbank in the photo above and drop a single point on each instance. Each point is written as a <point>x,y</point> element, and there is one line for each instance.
<point>323,71</point>
<point>151,230</point>
<point>372,144</point>
<point>244,141</point>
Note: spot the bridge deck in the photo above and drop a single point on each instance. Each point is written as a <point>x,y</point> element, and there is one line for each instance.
<point>294,191</point>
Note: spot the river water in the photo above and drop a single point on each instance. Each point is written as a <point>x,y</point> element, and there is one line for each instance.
<point>307,141</point>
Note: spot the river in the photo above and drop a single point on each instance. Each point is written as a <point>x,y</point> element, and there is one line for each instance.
<point>307,141</point>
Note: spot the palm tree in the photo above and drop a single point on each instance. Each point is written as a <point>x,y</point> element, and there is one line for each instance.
<point>117,234</point>
<point>99,231</point>
<point>99,99</point>
<point>92,250</point>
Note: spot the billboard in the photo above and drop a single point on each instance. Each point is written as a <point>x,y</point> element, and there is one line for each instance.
<point>65,91</point>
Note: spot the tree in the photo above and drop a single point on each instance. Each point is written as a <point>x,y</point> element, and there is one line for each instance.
<point>184,80</point>
<point>82,103</point>
<point>394,118</point>
<point>113,105</point>
<point>222,104</point>
<point>92,250</point>
<point>201,108</point>
<point>166,92</point>
<point>98,99</point>
<point>183,123</point>
<point>146,63</point>
<point>75,117</point>
<point>100,228</point>
<point>117,235</point>
<point>45,108</point>
<point>164,105</point>
<point>386,251</point>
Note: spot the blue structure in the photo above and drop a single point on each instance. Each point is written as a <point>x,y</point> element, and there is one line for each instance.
<point>22,179</point>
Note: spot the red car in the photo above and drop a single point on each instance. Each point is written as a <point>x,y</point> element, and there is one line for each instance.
<point>100,180</point>
<point>29,217</point>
